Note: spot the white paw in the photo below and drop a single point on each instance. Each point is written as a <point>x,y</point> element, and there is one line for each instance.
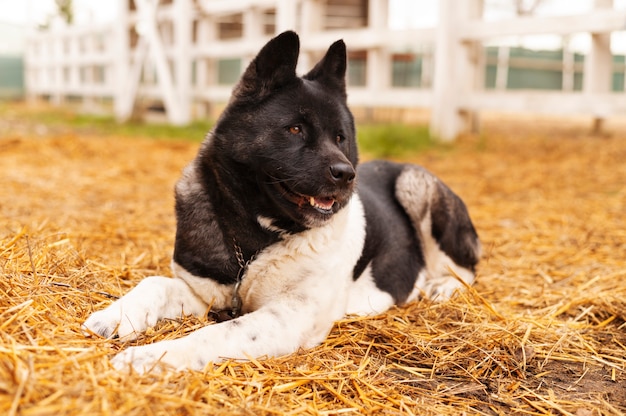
<point>442,288</point>
<point>154,357</point>
<point>125,321</point>
<point>103,323</point>
<point>132,314</point>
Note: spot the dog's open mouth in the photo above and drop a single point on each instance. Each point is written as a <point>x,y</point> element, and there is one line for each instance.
<point>323,204</point>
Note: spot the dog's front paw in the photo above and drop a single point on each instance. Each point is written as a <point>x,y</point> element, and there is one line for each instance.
<point>117,319</point>
<point>132,314</point>
<point>153,357</point>
<point>103,323</point>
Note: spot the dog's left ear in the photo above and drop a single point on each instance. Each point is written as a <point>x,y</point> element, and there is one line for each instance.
<point>331,70</point>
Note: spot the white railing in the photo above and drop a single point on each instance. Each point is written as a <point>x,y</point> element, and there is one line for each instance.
<point>174,59</point>
<point>463,96</point>
<point>70,62</point>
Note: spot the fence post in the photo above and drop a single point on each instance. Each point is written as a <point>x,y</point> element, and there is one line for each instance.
<point>502,68</point>
<point>183,21</point>
<point>58,91</point>
<point>568,65</point>
<point>311,19</point>
<point>456,67</point>
<point>286,15</point>
<point>123,99</point>
<point>598,75</point>
<point>378,68</point>
<point>165,82</point>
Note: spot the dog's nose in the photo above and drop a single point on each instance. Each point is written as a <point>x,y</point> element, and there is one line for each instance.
<point>342,173</point>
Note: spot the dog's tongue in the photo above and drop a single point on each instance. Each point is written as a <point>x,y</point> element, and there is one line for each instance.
<point>323,203</point>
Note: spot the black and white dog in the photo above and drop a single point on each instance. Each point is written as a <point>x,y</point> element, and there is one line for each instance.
<point>279,230</point>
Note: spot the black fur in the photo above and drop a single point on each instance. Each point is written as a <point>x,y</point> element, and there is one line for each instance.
<point>253,155</point>
<point>391,243</point>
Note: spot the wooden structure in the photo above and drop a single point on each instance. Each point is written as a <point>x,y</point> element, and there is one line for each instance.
<point>184,54</point>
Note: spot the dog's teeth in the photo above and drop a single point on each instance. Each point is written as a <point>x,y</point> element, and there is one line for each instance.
<point>312,201</point>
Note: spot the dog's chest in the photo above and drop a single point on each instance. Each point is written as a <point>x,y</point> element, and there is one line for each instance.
<point>317,263</point>
<point>315,266</point>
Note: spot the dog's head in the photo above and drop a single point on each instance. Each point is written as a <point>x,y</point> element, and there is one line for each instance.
<point>292,137</point>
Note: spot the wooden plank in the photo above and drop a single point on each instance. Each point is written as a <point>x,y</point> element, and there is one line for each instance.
<point>355,40</point>
<point>395,98</point>
<point>598,21</point>
<point>556,102</point>
<point>368,38</point>
<point>222,7</point>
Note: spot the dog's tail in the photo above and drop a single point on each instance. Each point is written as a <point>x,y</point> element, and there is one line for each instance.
<point>439,217</point>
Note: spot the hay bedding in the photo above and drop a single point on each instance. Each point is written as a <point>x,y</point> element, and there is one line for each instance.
<point>85,217</point>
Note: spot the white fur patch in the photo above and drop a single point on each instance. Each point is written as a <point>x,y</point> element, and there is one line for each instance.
<point>215,295</point>
<point>268,224</point>
<point>292,294</point>
<point>365,298</point>
<point>441,282</point>
<point>154,298</point>
<point>415,188</point>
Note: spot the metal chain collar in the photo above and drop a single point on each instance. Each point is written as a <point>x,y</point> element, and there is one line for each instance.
<point>236,301</point>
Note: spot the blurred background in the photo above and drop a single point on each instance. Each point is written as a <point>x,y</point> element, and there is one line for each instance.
<point>438,62</point>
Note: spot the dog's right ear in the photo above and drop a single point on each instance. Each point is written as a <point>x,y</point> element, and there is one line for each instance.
<point>273,68</point>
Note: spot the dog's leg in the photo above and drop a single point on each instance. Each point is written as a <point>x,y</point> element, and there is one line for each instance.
<point>275,329</point>
<point>449,240</point>
<point>154,298</point>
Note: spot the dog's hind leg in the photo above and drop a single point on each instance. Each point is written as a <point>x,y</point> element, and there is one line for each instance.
<point>449,241</point>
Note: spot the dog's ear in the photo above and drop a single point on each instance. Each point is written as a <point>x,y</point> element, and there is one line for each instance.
<point>273,68</point>
<point>331,70</point>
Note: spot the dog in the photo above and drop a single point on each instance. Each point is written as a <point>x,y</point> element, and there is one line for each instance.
<point>280,234</point>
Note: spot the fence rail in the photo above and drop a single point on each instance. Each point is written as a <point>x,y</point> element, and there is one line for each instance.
<point>172,53</point>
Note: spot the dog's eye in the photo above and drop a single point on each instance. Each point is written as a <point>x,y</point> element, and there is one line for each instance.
<point>340,138</point>
<point>295,130</point>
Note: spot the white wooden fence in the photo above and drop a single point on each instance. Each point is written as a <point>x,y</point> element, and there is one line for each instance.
<point>171,53</point>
